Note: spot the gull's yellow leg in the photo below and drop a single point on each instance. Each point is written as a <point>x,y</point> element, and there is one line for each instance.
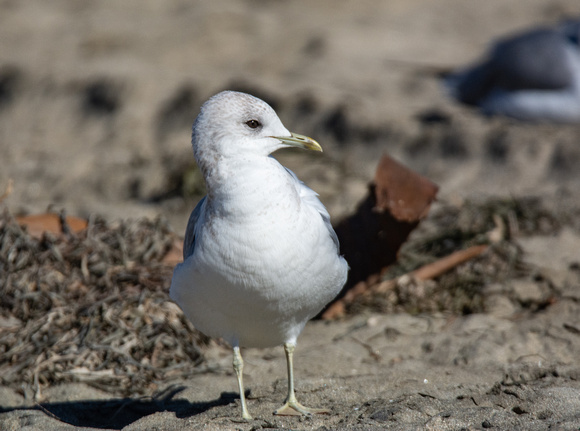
<point>239,368</point>
<point>292,407</point>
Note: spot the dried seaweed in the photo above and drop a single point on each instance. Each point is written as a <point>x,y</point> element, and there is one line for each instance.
<point>494,221</point>
<point>91,307</point>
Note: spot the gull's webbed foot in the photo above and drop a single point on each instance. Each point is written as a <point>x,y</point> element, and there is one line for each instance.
<point>294,408</point>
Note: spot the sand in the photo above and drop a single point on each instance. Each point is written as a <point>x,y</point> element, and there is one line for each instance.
<point>96,105</point>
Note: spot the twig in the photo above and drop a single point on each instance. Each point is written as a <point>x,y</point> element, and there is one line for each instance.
<point>372,352</point>
<point>426,272</point>
<point>433,269</point>
<point>8,190</point>
<point>441,266</point>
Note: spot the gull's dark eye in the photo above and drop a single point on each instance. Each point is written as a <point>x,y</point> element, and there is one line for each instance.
<point>253,124</point>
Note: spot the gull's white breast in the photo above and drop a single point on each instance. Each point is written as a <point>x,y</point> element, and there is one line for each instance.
<point>264,261</point>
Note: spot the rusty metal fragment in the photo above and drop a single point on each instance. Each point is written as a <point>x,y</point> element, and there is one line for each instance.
<point>398,199</point>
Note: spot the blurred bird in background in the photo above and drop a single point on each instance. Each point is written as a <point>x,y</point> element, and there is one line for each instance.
<point>531,76</point>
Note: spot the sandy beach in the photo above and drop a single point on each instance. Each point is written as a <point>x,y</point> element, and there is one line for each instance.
<point>96,105</point>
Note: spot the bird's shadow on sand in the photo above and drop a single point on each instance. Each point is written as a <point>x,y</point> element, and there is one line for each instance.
<point>120,412</point>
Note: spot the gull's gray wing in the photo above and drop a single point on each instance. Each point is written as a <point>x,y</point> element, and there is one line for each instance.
<point>535,59</point>
<point>532,60</point>
<point>189,240</point>
<point>311,198</point>
<point>571,31</point>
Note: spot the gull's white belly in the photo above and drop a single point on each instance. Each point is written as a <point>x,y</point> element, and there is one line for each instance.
<point>257,284</point>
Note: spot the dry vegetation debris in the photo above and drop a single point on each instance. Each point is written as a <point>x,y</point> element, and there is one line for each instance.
<point>91,307</point>
<point>496,222</point>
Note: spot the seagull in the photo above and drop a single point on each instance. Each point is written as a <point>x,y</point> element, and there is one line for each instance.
<point>530,76</point>
<point>260,257</point>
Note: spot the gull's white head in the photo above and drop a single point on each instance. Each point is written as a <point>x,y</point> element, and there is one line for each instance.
<point>233,124</point>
